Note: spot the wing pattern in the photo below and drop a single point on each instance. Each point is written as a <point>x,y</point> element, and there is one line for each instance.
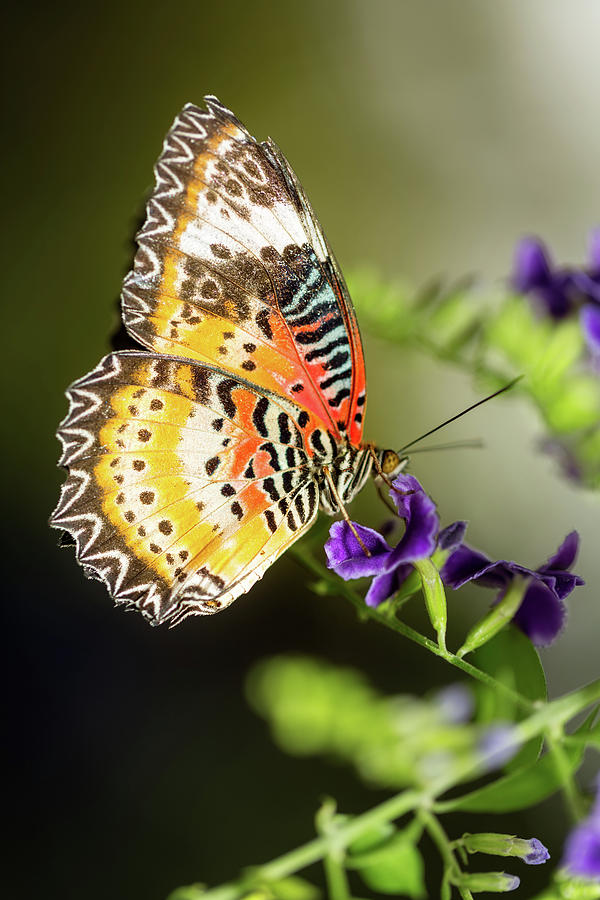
<point>233,269</point>
<point>192,467</point>
<point>184,483</point>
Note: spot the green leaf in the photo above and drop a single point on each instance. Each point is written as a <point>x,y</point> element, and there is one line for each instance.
<point>512,659</point>
<point>394,868</point>
<point>526,787</point>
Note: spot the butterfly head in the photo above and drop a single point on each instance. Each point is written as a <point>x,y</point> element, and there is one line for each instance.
<point>391,463</point>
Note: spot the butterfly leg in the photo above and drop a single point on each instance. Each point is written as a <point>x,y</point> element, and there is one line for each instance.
<point>377,466</point>
<point>343,510</point>
<point>384,499</point>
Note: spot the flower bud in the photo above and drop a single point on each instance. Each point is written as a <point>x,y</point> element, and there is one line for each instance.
<point>499,616</point>
<point>435,598</point>
<point>494,882</point>
<point>530,851</point>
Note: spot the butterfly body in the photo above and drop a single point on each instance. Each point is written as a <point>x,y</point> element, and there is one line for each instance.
<point>195,463</point>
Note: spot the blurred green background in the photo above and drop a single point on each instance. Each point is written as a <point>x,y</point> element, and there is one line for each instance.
<point>429,137</point>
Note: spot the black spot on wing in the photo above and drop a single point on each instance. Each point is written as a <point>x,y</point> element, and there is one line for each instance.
<point>212,465</point>
<point>269,486</point>
<point>311,337</point>
<point>262,320</point>
<point>312,498</point>
<point>326,350</point>
<point>201,384</point>
<point>285,435</point>
<point>258,417</point>
<point>339,376</point>
<point>299,504</point>
<point>341,395</point>
<point>317,442</point>
<point>224,389</point>
<point>274,459</point>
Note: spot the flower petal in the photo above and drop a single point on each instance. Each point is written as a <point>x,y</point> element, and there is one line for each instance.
<point>582,852</point>
<point>419,538</point>
<point>347,558</point>
<point>594,249</point>
<point>451,536</point>
<point>541,614</point>
<point>562,583</point>
<point>385,586</point>
<point>564,557</point>
<point>587,284</point>
<point>466,564</point>
<point>403,487</point>
<point>531,265</point>
<point>590,325</point>
<point>537,855</point>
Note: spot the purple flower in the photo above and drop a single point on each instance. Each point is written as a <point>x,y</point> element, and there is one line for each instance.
<point>582,850</point>
<point>537,855</point>
<point>498,745</point>
<point>390,567</point>
<point>534,274</point>
<point>590,325</point>
<point>345,555</point>
<point>587,281</point>
<point>455,703</point>
<point>542,612</point>
<point>561,291</point>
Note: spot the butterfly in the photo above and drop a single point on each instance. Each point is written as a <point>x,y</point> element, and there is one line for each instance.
<point>195,463</point>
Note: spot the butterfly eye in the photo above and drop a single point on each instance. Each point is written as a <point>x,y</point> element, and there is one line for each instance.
<point>389,461</point>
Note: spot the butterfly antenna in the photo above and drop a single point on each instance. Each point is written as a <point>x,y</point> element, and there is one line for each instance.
<point>471,444</point>
<point>463,413</point>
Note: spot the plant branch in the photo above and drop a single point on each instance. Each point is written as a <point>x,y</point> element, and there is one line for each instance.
<point>440,839</point>
<point>318,569</point>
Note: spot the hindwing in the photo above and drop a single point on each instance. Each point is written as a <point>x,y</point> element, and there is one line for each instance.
<point>185,483</point>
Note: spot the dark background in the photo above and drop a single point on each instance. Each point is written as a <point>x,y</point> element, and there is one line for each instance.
<point>429,137</point>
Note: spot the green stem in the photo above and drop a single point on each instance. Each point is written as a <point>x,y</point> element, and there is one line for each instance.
<point>337,882</point>
<point>571,794</point>
<point>550,716</point>
<point>365,612</point>
<point>335,873</point>
<point>440,839</point>
<point>317,849</point>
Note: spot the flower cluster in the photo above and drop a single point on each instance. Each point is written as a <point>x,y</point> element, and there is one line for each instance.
<point>562,291</point>
<point>541,612</point>
<point>390,567</point>
<point>582,851</point>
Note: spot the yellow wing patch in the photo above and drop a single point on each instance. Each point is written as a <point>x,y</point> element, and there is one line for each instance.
<point>184,484</point>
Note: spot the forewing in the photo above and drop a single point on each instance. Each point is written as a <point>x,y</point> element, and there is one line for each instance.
<point>184,482</point>
<point>233,269</point>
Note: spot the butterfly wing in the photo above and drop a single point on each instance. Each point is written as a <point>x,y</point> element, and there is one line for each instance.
<point>233,269</point>
<point>185,483</point>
